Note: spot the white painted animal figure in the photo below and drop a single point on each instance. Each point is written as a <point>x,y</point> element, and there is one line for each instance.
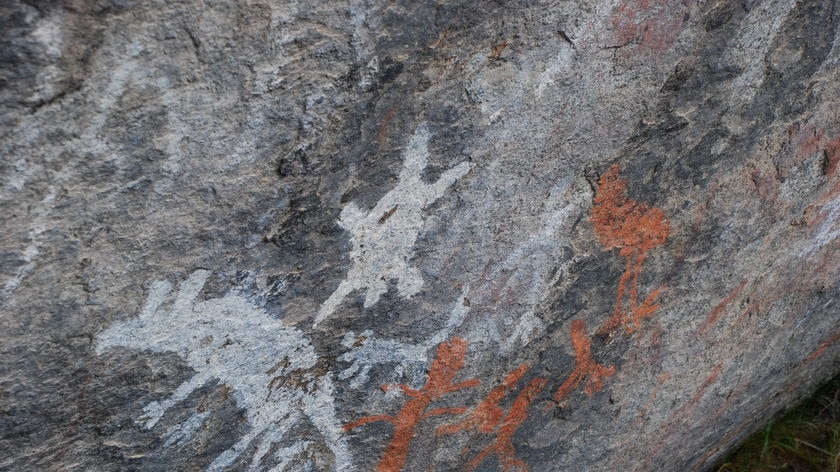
<point>383,238</point>
<point>235,343</point>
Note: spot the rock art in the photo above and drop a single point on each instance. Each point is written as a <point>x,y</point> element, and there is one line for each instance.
<point>230,341</point>
<point>383,237</point>
<point>413,236</point>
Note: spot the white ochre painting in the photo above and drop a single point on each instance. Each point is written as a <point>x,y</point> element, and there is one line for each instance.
<point>272,368</point>
<point>383,237</point>
<point>230,341</point>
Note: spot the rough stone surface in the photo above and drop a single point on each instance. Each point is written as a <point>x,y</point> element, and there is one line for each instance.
<point>412,235</point>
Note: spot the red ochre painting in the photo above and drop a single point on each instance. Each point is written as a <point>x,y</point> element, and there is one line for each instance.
<point>585,366</point>
<point>447,364</point>
<point>634,229</point>
<point>502,447</point>
<point>620,222</point>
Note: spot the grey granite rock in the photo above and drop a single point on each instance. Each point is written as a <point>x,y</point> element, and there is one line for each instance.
<point>413,235</point>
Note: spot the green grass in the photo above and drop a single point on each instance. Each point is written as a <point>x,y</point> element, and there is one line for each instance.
<point>805,439</point>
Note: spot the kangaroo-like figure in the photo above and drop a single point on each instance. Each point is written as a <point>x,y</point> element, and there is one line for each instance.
<point>270,367</point>
<point>383,237</point>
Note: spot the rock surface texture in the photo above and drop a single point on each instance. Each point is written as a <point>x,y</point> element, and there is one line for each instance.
<point>413,235</point>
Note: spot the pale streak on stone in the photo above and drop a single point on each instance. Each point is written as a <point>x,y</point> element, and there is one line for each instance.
<point>564,202</point>
<point>181,433</point>
<point>833,57</point>
<point>409,358</point>
<point>119,79</point>
<point>285,455</point>
<point>829,228</point>
<point>229,340</point>
<point>90,141</point>
<point>176,129</point>
<point>383,237</point>
<point>37,227</point>
<point>750,48</point>
<point>49,33</point>
<point>361,40</point>
<point>560,62</point>
<point>502,90</point>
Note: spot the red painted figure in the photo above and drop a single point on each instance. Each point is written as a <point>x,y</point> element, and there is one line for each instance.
<point>448,362</point>
<point>502,447</point>
<point>487,415</point>
<point>634,229</point>
<point>585,366</point>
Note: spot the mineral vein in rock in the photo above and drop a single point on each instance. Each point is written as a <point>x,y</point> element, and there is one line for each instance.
<point>383,238</point>
<point>255,355</point>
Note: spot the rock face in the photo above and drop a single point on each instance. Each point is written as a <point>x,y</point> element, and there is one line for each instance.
<point>413,235</point>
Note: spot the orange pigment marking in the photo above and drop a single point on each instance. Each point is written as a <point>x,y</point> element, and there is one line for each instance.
<point>487,415</point>
<point>763,305</point>
<point>497,50</point>
<point>766,183</point>
<point>654,25</point>
<point>634,229</point>
<point>502,447</point>
<point>717,311</point>
<point>820,350</point>
<point>688,407</point>
<point>805,140</point>
<point>585,366</point>
<point>448,362</point>
<point>685,411</point>
<point>682,414</point>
